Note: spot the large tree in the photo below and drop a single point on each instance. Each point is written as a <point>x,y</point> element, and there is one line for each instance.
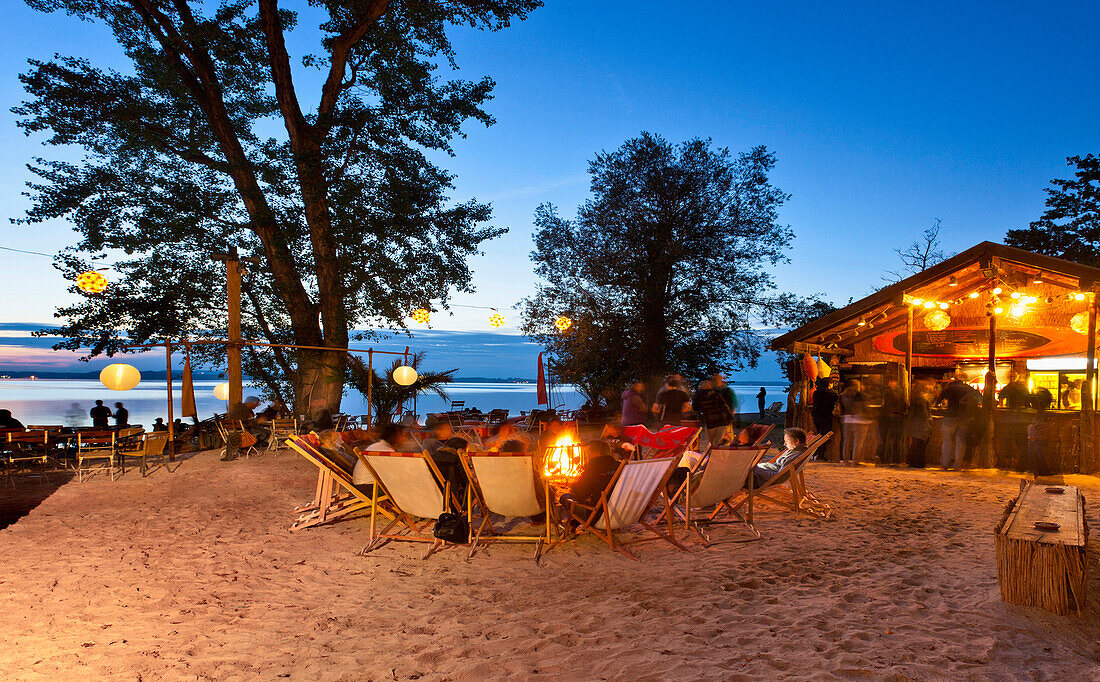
<point>207,141</point>
<point>1070,226</point>
<point>664,268</point>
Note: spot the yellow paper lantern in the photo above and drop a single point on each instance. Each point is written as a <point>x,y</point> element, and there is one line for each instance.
<point>421,315</point>
<point>496,319</point>
<point>1080,323</point>
<point>563,323</point>
<point>120,377</point>
<point>937,320</point>
<point>405,375</point>
<point>824,371</point>
<point>91,282</point>
<point>221,391</point>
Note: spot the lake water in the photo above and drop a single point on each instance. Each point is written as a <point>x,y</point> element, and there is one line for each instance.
<point>49,401</point>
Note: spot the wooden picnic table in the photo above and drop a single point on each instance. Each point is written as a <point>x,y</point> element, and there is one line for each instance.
<point>1044,568</point>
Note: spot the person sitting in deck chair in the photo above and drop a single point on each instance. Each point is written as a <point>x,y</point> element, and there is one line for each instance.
<point>9,422</point>
<point>795,440</point>
<point>441,433</point>
<point>447,460</point>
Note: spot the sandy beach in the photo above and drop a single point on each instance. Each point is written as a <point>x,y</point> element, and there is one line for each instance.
<point>192,574</point>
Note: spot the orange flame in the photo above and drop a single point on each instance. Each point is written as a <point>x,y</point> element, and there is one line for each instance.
<point>563,458</point>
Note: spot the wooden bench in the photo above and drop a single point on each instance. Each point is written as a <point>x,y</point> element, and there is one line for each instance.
<point>1043,568</point>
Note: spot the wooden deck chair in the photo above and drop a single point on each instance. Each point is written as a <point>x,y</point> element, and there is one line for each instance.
<point>25,448</point>
<point>629,496</point>
<point>416,489</point>
<point>787,489</point>
<point>762,432</point>
<point>506,484</point>
<point>721,478</point>
<point>151,446</point>
<point>93,445</point>
<point>336,494</point>
<point>248,440</point>
<point>281,429</point>
<point>774,410</point>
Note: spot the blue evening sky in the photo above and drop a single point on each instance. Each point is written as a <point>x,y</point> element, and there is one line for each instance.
<point>884,116</point>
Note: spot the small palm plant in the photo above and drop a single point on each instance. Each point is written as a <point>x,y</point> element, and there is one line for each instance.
<point>386,395</point>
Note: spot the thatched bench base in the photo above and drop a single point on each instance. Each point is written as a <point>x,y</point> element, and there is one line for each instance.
<point>1043,569</point>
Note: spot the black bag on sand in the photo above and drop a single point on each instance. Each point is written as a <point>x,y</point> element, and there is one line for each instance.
<point>452,528</point>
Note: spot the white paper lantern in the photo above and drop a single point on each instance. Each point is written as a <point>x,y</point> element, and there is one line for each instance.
<point>221,391</point>
<point>405,375</point>
<point>120,377</point>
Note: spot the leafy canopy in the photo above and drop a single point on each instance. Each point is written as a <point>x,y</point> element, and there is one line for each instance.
<point>1070,226</point>
<point>210,141</point>
<point>665,268</point>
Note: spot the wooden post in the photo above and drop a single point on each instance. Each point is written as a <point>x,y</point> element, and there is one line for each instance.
<point>233,284</point>
<point>171,415</point>
<point>989,397</point>
<point>908,379</point>
<point>1087,449</point>
<point>370,383</point>
<point>233,328</point>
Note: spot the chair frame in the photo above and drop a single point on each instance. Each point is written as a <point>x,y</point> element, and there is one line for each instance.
<point>414,530</point>
<point>282,429</point>
<point>474,490</point>
<point>329,503</point>
<point>800,499</point>
<point>38,441</point>
<point>224,431</point>
<point>601,510</point>
<point>685,491</point>
<point>95,450</point>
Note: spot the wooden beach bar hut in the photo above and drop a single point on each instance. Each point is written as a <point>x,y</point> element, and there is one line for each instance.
<point>990,311</point>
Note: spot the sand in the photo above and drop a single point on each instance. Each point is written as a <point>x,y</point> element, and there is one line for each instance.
<point>192,574</point>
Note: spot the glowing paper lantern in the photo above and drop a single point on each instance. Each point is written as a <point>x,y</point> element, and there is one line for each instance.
<point>1080,323</point>
<point>937,320</point>
<point>823,369</point>
<point>221,391</point>
<point>91,282</point>
<point>405,375</point>
<point>120,377</point>
<point>420,315</point>
<point>496,319</point>
<point>809,367</point>
<point>563,323</point>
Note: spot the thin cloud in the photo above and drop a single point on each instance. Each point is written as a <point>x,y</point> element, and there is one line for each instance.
<point>535,190</point>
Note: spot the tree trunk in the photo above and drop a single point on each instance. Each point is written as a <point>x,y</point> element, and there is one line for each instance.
<point>320,382</point>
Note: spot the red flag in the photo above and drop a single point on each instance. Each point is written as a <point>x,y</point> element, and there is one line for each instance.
<point>187,400</point>
<point>542,384</point>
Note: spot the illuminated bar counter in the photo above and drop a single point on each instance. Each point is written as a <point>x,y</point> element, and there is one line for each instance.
<point>994,313</point>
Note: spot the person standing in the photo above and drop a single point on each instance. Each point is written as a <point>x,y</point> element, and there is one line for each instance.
<point>825,400</point>
<point>714,411</point>
<point>634,411</point>
<point>75,416</point>
<point>1014,395</point>
<point>671,404</point>
<point>890,423</point>
<point>918,425</point>
<point>853,423</point>
<point>956,420</point>
<point>100,415</point>
<point>727,393</point>
<point>1039,432</point>
<point>122,416</point>
<point>760,398</point>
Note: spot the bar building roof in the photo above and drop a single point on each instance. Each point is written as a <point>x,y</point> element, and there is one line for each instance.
<point>1035,298</point>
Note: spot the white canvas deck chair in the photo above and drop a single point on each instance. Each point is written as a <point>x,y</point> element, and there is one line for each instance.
<point>719,479</point>
<point>336,495</point>
<point>505,483</point>
<point>629,496</point>
<point>787,489</point>
<point>417,491</point>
